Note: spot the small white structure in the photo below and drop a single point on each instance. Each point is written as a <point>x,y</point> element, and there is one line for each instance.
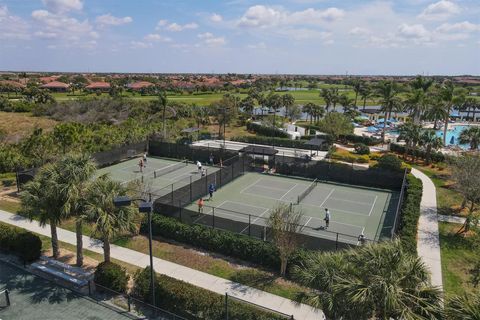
<point>295,132</point>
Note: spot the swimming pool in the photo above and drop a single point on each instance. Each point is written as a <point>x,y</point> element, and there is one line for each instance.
<point>453,134</point>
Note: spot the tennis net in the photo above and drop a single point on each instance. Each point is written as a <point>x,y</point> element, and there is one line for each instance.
<point>305,193</point>
<point>160,172</point>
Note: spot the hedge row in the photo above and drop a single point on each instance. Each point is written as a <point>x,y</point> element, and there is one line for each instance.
<point>266,131</point>
<point>418,153</point>
<point>353,138</point>
<point>223,242</point>
<point>279,142</point>
<point>111,275</point>
<point>193,302</point>
<point>20,242</point>
<point>410,214</point>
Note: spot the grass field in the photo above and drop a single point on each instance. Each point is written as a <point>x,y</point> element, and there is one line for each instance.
<point>19,125</point>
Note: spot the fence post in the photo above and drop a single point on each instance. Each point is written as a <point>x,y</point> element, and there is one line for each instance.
<point>213,217</point>
<point>226,306</point>
<point>249,224</point>
<point>129,301</point>
<point>172,195</point>
<point>336,243</point>
<point>7,297</point>
<point>89,288</point>
<point>191,192</point>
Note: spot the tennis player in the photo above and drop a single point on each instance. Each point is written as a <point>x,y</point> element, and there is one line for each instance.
<point>140,164</point>
<point>211,190</point>
<point>199,166</point>
<point>327,218</point>
<point>145,158</point>
<point>200,204</point>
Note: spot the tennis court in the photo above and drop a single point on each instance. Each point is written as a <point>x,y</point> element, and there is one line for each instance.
<point>159,175</point>
<point>249,200</point>
<point>32,297</point>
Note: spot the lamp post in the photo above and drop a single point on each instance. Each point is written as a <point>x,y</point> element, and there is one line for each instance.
<point>144,207</point>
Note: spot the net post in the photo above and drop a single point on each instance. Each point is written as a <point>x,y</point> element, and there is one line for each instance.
<point>213,217</point>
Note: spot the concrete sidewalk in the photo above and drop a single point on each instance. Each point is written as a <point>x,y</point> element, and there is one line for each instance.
<point>428,242</point>
<point>451,219</point>
<point>197,278</point>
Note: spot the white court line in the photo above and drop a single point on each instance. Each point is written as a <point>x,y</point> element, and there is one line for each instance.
<point>247,205</point>
<point>255,220</point>
<point>328,196</point>
<point>306,223</point>
<point>335,210</point>
<point>266,197</point>
<point>373,205</point>
<point>269,188</point>
<point>336,222</point>
<point>288,191</point>
<point>356,202</point>
<point>250,185</point>
<point>209,212</point>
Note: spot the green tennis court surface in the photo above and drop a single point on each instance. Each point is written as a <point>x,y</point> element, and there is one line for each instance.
<point>32,297</point>
<point>249,200</point>
<point>158,174</point>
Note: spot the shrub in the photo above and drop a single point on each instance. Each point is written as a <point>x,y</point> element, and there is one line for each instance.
<point>111,275</point>
<point>434,156</point>
<point>361,148</point>
<point>353,138</point>
<point>224,242</point>
<point>374,156</point>
<point>193,302</point>
<point>390,162</point>
<point>410,214</point>
<point>266,131</point>
<point>22,243</point>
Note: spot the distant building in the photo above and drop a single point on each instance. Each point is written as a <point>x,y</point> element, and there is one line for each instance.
<point>49,79</point>
<point>56,86</point>
<point>140,85</point>
<point>98,87</point>
<point>13,85</point>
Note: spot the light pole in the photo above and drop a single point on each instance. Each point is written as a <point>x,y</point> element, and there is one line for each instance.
<point>144,207</point>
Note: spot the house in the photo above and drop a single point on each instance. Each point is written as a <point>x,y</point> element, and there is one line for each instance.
<point>56,86</point>
<point>49,79</point>
<point>98,87</point>
<point>9,85</point>
<point>140,85</point>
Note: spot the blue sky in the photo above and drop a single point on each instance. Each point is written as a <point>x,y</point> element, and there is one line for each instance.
<point>242,36</point>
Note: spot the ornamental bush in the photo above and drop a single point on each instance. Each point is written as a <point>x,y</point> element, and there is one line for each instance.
<point>266,131</point>
<point>112,276</point>
<point>390,162</point>
<point>361,148</point>
<point>410,214</point>
<point>20,242</point>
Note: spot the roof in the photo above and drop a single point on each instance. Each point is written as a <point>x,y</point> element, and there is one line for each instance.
<point>48,79</point>
<point>267,151</point>
<point>140,85</point>
<point>315,142</point>
<point>55,84</point>
<point>14,84</point>
<point>98,85</point>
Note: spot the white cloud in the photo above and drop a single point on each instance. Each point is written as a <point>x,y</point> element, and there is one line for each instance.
<point>440,10</point>
<point>359,31</point>
<point>157,37</point>
<point>12,27</point>
<point>175,27</point>
<point>162,23</point>
<point>304,34</point>
<point>62,27</point>
<point>61,6</point>
<point>415,31</point>
<point>140,45</point>
<point>109,20</point>
<point>210,40</point>
<point>216,18</point>
<point>260,45</point>
<point>464,26</point>
<point>263,16</point>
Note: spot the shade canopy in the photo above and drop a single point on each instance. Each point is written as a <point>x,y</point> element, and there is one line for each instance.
<point>315,142</point>
<point>261,150</point>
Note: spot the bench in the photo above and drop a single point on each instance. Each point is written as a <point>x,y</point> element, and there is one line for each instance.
<point>59,274</point>
<point>76,272</point>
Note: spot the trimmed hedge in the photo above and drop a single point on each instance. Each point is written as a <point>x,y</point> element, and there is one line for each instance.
<point>279,142</point>
<point>20,242</point>
<point>410,214</point>
<point>353,138</point>
<point>361,148</point>
<point>418,153</point>
<point>112,276</point>
<point>223,242</point>
<point>193,302</point>
<point>266,131</point>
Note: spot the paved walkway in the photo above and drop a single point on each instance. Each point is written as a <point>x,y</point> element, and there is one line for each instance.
<point>428,242</point>
<point>197,278</point>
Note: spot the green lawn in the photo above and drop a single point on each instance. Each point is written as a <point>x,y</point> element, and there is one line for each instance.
<point>458,258</point>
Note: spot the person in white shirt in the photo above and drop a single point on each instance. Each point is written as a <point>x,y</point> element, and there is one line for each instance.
<point>199,166</point>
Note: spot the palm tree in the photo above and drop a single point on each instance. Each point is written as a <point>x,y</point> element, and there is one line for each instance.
<point>416,103</point>
<point>287,102</point>
<point>421,83</point>
<point>465,307</point>
<point>41,200</point>
<point>308,108</point>
<point>274,101</point>
<point>109,220</point>
<point>375,281</point>
<point>471,136</point>
<point>346,102</point>
<point>450,97</point>
<point>387,91</point>
<point>327,97</point>
<point>430,141</point>
<point>410,132</point>
<point>75,172</point>
<point>357,85</point>
<point>365,93</point>
<point>248,104</point>
<point>318,111</point>
<point>435,112</point>
<point>335,96</point>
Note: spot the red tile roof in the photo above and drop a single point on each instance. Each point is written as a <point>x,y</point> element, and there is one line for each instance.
<point>14,84</point>
<point>140,85</point>
<point>48,79</point>
<point>98,85</point>
<point>55,85</point>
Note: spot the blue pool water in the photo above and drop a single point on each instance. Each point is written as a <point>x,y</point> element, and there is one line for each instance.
<point>453,134</point>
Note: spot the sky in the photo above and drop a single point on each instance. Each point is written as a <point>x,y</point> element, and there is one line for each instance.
<point>403,37</point>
